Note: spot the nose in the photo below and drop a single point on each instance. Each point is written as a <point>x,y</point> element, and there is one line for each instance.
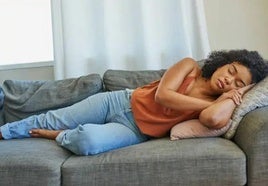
<point>229,80</point>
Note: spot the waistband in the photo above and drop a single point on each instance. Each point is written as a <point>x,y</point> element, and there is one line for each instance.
<point>129,92</point>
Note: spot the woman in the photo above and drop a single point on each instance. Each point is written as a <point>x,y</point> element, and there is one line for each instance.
<point>117,119</point>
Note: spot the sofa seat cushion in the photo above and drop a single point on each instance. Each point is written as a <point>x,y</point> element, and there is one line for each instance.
<point>203,161</point>
<point>27,162</point>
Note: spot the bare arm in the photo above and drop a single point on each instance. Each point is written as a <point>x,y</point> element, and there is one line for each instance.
<point>218,114</point>
<point>166,94</point>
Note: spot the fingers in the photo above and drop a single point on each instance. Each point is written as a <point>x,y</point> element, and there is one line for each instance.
<point>238,94</point>
<point>246,88</point>
<point>237,97</point>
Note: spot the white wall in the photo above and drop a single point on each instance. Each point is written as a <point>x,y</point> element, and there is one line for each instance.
<point>35,73</point>
<point>232,24</point>
<point>236,24</point>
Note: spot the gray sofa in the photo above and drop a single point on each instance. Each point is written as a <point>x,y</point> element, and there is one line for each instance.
<point>201,161</point>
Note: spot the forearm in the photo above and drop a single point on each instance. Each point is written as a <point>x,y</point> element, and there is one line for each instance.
<point>218,114</point>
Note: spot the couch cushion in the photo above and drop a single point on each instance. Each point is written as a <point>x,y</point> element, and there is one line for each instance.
<point>122,79</point>
<point>27,162</point>
<point>252,138</point>
<point>24,98</point>
<point>200,161</point>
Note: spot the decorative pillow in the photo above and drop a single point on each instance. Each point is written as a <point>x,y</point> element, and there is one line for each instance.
<point>256,97</point>
<point>25,98</point>
<point>193,128</point>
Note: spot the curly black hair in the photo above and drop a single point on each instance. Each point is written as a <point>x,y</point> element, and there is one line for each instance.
<point>251,59</point>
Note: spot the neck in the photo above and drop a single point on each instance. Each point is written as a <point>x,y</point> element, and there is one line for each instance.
<point>203,85</point>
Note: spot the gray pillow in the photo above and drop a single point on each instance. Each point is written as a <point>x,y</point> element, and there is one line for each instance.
<point>122,79</point>
<point>25,98</point>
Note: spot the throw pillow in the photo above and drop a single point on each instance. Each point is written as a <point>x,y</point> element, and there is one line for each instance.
<point>256,97</point>
<point>193,128</point>
<point>25,98</point>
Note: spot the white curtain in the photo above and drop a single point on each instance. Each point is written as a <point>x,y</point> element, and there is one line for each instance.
<point>92,36</point>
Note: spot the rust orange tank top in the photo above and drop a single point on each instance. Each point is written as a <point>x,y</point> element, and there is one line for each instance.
<point>154,119</point>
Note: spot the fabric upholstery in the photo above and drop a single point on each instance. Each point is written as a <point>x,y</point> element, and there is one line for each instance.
<point>24,98</point>
<point>31,162</point>
<point>121,79</point>
<point>211,161</point>
<point>252,138</point>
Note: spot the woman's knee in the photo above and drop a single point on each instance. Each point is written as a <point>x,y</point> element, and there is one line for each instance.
<point>86,143</point>
<point>93,139</point>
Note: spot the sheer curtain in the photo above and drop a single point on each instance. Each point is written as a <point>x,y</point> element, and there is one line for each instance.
<point>92,36</point>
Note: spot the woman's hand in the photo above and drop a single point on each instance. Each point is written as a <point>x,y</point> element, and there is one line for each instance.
<point>235,94</point>
<point>244,89</point>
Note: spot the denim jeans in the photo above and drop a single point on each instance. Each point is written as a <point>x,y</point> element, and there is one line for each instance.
<point>99,123</point>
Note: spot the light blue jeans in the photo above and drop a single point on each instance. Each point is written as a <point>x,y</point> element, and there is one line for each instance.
<point>99,123</point>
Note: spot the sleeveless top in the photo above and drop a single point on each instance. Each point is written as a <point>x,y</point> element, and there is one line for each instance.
<point>154,119</point>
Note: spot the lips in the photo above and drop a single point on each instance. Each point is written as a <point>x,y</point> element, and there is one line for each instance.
<point>220,84</point>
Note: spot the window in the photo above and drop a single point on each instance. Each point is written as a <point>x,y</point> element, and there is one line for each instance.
<point>26,32</point>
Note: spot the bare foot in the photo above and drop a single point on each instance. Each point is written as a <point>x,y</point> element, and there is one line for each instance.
<point>44,133</point>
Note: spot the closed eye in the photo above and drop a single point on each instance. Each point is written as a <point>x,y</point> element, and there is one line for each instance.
<point>232,70</point>
<point>239,84</point>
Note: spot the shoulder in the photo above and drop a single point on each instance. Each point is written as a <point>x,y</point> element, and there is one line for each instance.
<point>190,65</point>
<point>176,74</point>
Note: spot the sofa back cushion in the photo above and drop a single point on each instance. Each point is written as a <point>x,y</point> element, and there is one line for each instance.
<point>25,98</point>
<point>122,79</point>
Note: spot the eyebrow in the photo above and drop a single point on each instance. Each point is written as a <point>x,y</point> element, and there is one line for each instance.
<point>236,72</point>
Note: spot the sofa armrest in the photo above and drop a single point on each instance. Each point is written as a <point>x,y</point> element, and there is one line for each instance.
<point>252,138</point>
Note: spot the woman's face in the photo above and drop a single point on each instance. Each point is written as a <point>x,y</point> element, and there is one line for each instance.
<point>230,76</point>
